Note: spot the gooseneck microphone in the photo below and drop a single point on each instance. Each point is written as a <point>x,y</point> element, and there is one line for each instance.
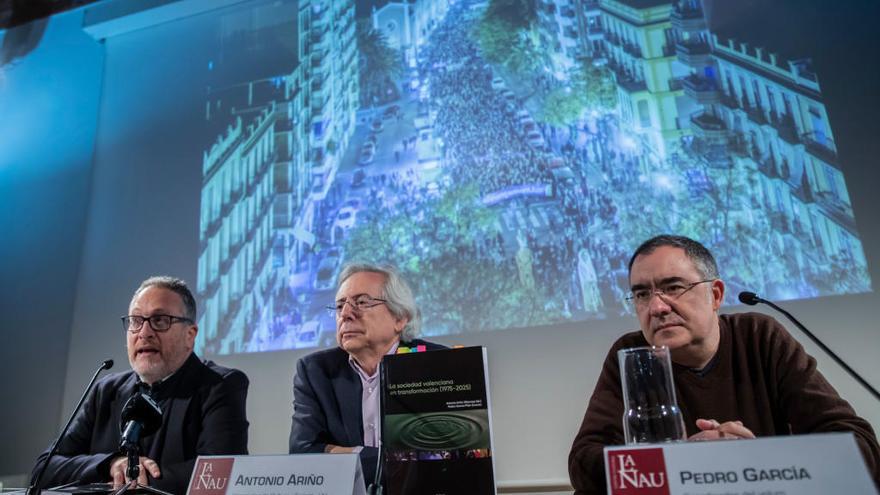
<point>375,487</point>
<point>751,299</point>
<point>141,417</point>
<point>35,489</point>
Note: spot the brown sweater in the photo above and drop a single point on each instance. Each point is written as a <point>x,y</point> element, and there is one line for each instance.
<point>760,376</point>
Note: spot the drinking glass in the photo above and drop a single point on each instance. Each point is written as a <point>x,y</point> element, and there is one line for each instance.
<point>650,410</point>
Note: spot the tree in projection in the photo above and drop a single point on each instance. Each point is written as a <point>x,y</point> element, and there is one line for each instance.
<point>449,249</point>
<point>507,37</point>
<point>379,65</point>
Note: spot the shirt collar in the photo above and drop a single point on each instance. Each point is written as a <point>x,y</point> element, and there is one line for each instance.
<point>360,371</point>
<point>154,389</point>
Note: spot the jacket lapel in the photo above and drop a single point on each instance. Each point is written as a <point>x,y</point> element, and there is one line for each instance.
<point>175,404</point>
<point>349,393</point>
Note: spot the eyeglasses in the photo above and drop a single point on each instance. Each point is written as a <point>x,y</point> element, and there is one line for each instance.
<point>159,323</point>
<point>670,292</point>
<point>358,304</point>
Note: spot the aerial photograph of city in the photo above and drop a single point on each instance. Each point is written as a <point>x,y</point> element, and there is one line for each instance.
<point>507,156</point>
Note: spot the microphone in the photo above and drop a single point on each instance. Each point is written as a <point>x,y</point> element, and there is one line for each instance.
<point>752,299</point>
<point>749,298</point>
<point>141,416</point>
<point>35,489</point>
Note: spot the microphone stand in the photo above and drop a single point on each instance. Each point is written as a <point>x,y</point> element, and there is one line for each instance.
<point>375,488</point>
<point>132,451</point>
<point>131,447</point>
<point>35,489</point>
<point>840,362</point>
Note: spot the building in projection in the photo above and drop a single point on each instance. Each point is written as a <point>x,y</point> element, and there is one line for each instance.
<point>235,273</point>
<point>561,31</point>
<point>639,47</point>
<point>333,80</point>
<point>407,25</point>
<point>591,32</point>
<point>766,114</point>
<point>265,176</point>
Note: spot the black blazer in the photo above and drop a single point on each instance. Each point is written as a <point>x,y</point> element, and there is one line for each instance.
<point>203,413</point>
<point>327,405</point>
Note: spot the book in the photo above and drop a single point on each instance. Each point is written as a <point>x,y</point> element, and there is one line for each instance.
<point>437,423</point>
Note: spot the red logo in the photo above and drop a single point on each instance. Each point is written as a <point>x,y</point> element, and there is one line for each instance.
<point>638,471</point>
<point>211,476</point>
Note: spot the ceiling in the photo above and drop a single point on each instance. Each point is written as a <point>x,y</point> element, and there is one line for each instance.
<point>16,12</point>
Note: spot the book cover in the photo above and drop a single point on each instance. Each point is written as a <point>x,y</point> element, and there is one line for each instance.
<point>436,427</point>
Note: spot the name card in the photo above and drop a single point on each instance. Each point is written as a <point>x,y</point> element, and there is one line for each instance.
<point>787,465</point>
<point>298,474</point>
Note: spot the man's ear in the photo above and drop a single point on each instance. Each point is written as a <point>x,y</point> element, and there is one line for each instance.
<point>400,324</point>
<point>717,293</point>
<point>191,333</point>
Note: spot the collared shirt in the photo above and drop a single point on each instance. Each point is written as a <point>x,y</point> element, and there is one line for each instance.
<point>370,401</point>
<point>156,388</point>
<point>161,392</point>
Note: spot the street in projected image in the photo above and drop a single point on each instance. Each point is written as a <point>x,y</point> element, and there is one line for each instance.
<point>508,162</point>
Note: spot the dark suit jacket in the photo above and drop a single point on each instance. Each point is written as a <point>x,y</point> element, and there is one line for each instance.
<point>203,413</point>
<point>327,405</point>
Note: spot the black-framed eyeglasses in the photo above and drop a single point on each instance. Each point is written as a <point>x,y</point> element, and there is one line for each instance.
<point>159,323</point>
<point>668,291</point>
<point>358,304</point>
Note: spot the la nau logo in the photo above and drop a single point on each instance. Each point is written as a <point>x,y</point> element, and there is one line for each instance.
<point>211,476</point>
<point>638,471</point>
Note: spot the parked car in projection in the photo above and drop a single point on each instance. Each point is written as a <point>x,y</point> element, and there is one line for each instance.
<point>536,140</point>
<point>345,220</point>
<point>328,268</point>
<point>307,334</point>
<point>367,156</point>
<point>358,178</point>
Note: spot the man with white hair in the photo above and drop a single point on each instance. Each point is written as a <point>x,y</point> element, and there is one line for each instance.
<point>336,391</point>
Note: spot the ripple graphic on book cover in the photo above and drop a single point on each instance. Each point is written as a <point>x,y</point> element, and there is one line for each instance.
<point>439,431</point>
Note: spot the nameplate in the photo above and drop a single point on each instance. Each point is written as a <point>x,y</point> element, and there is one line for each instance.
<point>787,465</point>
<point>298,474</point>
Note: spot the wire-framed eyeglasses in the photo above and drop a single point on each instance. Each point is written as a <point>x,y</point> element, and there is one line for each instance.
<point>669,291</point>
<point>359,304</point>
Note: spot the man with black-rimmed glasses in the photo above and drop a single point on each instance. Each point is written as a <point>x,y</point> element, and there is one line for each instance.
<point>737,376</point>
<point>336,391</point>
<point>203,404</point>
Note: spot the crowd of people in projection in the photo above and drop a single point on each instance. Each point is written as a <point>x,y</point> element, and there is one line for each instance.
<point>519,223</point>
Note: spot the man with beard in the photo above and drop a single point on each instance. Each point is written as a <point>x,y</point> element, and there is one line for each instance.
<point>203,404</point>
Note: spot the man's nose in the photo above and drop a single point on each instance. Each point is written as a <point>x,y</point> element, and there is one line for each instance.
<point>658,305</point>
<point>347,310</point>
<point>146,330</point>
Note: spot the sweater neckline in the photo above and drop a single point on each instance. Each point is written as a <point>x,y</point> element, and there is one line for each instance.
<point>718,367</point>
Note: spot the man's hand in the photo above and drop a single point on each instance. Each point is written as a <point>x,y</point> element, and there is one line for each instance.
<point>336,449</point>
<point>120,465</point>
<point>713,430</point>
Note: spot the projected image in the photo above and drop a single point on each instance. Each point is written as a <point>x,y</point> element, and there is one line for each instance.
<point>508,157</point>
